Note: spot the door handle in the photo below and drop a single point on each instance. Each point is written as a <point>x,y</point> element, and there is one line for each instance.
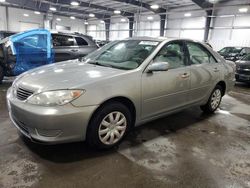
<point>216,69</point>
<point>185,75</point>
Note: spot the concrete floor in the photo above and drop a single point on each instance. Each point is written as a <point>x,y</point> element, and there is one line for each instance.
<point>187,149</point>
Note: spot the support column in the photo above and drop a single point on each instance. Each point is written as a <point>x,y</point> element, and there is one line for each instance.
<point>162,24</point>
<point>207,25</point>
<point>107,28</point>
<point>7,18</point>
<point>131,26</point>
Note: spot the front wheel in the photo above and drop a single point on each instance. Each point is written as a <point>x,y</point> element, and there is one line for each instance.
<point>213,101</point>
<point>1,74</point>
<point>109,125</point>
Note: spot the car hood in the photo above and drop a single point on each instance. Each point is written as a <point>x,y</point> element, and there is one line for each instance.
<point>65,75</point>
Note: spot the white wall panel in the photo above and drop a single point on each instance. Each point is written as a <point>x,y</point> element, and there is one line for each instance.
<point>16,19</point>
<point>193,34</point>
<point>198,22</point>
<point>3,21</point>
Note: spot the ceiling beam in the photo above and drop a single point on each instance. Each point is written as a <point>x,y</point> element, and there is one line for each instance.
<point>90,5</point>
<point>203,3</point>
<point>142,4</point>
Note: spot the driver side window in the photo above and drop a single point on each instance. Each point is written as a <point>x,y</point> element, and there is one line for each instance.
<point>173,54</point>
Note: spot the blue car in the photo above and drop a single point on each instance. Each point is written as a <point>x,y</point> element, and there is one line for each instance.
<point>25,51</point>
<point>34,48</point>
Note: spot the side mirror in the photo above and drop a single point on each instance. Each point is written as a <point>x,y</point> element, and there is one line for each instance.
<point>161,66</point>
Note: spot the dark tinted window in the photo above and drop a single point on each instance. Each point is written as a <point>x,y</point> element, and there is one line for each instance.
<point>62,40</point>
<point>173,54</point>
<point>198,54</point>
<point>81,42</point>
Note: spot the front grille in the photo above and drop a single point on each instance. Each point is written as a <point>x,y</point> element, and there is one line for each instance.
<point>240,71</point>
<point>22,94</point>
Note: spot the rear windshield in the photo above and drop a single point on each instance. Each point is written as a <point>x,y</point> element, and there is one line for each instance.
<point>246,58</point>
<point>229,50</point>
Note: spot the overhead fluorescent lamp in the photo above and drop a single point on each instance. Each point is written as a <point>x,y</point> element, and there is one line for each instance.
<point>59,19</point>
<point>75,3</point>
<point>37,12</point>
<point>52,8</point>
<point>243,10</point>
<point>154,6</point>
<point>2,1</point>
<point>187,14</point>
<point>102,21</point>
<point>26,15</point>
<point>117,11</point>
<point>91,15</point>
<point>123,20</point>
<point>72,17</point>
<point>150,18</point>
<point>86,23</point>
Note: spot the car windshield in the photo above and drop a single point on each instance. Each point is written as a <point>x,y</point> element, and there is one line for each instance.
<point>229,50</point>
<point>246,58</point>
<point>126,54</point>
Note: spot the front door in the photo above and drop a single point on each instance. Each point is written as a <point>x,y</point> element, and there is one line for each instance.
<point>166,90</point>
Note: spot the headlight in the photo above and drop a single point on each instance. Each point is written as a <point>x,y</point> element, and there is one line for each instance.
<point>55,98</point>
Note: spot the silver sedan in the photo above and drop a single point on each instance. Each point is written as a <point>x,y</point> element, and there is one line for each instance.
<point>124,84</point>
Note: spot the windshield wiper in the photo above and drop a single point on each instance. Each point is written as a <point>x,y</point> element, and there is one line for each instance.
<point>100,64</point>
<point>107,65</point>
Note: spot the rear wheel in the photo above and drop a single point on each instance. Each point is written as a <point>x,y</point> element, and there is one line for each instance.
<point>214,100</point>
<point>1,74</point>
<point>109,125</point>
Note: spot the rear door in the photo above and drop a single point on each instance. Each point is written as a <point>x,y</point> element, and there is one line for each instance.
<point>84,46</point>
<point>204,71</point>
<point>65,47</point>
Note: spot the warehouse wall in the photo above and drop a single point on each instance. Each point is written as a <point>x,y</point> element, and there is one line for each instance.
<point>17,22</point>
<point>230,30</point>
<point>228,26</point>
<point>3,23</point>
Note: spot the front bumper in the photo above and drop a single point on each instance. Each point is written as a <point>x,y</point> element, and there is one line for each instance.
<point>49,125</point>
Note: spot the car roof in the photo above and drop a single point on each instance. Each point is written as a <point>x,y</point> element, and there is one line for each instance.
<point>160,39</point>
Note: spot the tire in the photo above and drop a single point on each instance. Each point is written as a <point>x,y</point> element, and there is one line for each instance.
<point>213,101</point>
<point>1,74</point>
<point>101,128</point>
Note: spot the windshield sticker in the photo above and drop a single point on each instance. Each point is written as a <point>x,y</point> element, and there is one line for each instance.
<point>152,43</point>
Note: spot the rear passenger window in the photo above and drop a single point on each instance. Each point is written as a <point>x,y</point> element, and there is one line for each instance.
<point>81,42</point>
<point>173,54</point>
<point>199,54</point>
<point>62,40</point>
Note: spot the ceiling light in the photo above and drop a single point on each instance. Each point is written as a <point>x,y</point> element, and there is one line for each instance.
<point>1,1</point>
<point>117,11</point>
<point>91,15</point>
<point>37,12</point>
<point>59,19</point>
<point>86,23</point>
<point>154,6</point>
<point>187,14</point>
<point>72,17</point>
<point>102,21</point>
<point>26,15</point>
<point>150,18</point>
<point>52,8</point>
<point>123,20</point>
<point>243,10</point>
<point>75,3</point>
